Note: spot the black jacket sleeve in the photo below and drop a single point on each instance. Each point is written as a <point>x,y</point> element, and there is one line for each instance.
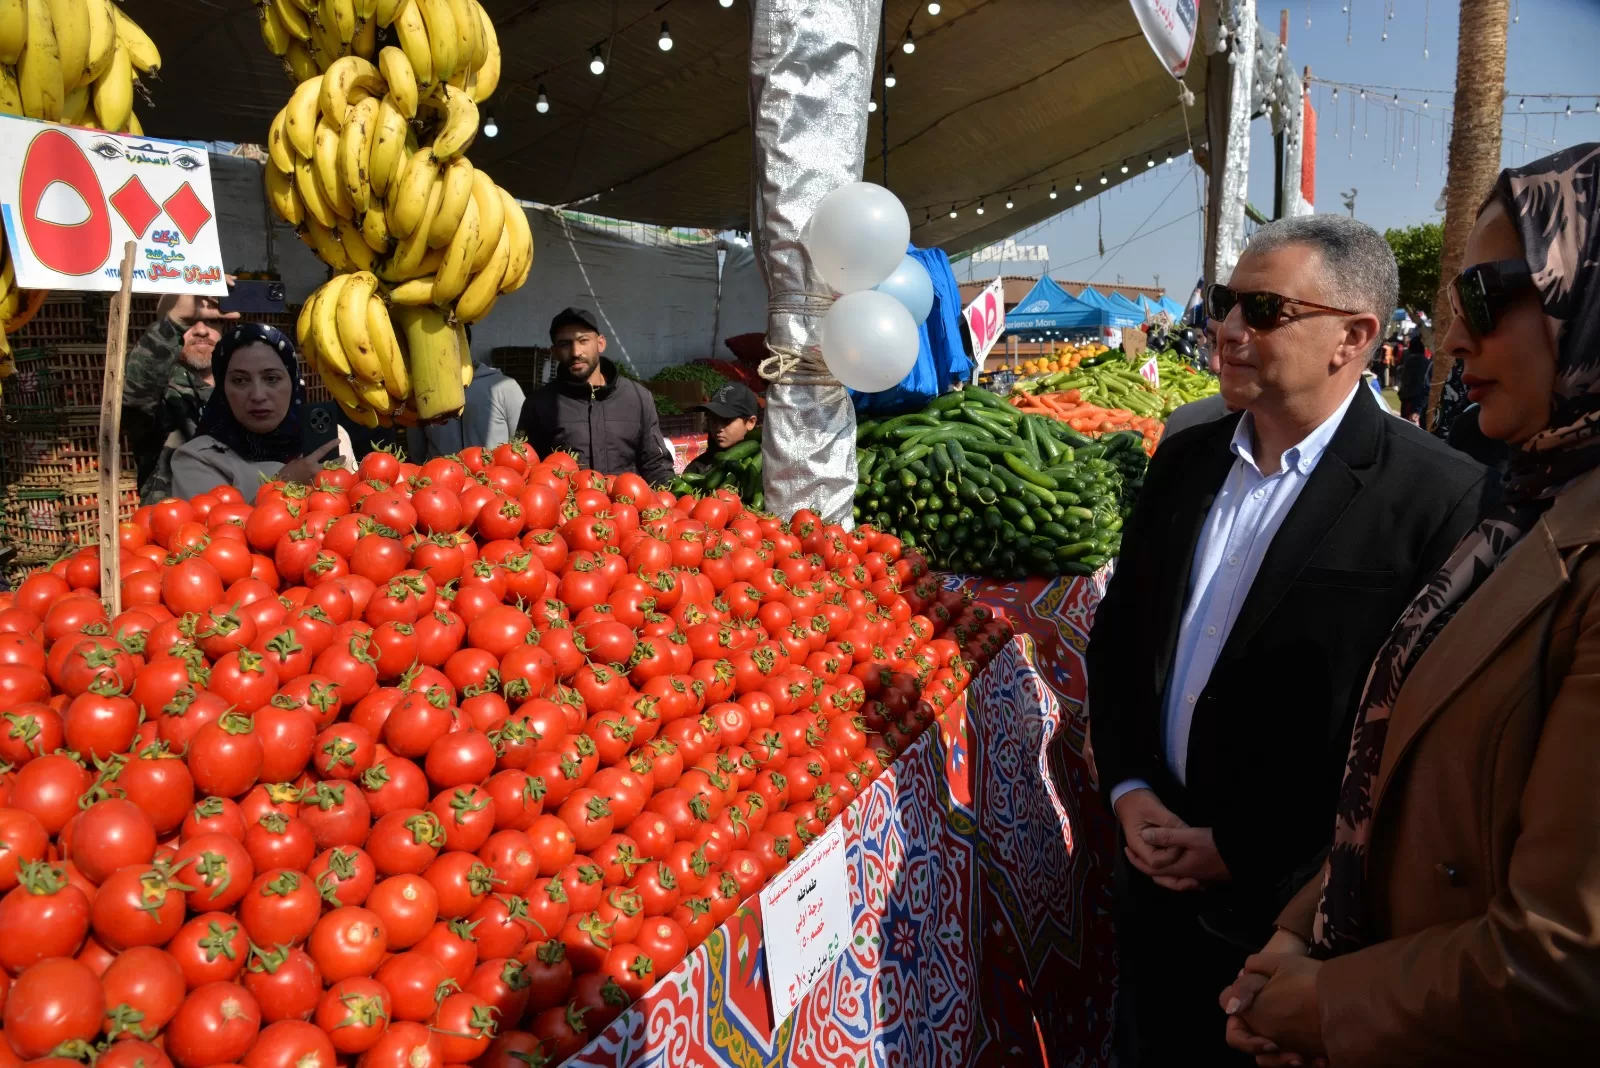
<point>655,463</point>
<point>535,423</point>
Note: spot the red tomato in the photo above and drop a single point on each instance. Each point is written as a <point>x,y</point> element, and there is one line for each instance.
<point>216,1024</point>
<point>53,1002</point>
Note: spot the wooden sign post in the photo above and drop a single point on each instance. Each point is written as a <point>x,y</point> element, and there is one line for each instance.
<point>111,439</point>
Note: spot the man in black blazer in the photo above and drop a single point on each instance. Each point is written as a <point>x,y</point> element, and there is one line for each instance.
<point>1269,555</point>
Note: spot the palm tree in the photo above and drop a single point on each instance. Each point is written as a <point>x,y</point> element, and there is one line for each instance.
<point>1474,153</point>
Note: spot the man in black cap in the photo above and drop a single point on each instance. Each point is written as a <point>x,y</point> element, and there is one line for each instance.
<point>607,421</point>
<point>731,415</point>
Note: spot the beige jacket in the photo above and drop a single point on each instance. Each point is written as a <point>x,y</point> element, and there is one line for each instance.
<point>1484,874</point>
<point>204,463</point>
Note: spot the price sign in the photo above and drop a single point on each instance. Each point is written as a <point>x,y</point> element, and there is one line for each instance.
<point>805,919</point>
<point>73,198</point>
<point>986,319</point>
<point>1151,373</point>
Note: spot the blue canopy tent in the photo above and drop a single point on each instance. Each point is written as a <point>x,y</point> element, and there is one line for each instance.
<point>1173,308</point>
<point>1114,316</point>
<point>1049,309</point>
<point>1124,304</point>
<point>1149,306</point>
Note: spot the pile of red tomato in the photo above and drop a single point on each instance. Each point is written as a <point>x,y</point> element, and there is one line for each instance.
<point>425,766</point>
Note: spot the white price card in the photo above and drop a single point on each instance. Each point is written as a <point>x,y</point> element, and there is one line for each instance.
<point>1151,371</point>
<point>805,920</point>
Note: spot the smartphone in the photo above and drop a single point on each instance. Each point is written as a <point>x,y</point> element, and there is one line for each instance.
<point>319,424</point>
<point>253,297</point>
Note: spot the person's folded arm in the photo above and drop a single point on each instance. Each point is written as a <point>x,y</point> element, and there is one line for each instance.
<point>1520,984</point>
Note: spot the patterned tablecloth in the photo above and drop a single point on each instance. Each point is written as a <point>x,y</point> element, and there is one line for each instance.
<point>978,897</point>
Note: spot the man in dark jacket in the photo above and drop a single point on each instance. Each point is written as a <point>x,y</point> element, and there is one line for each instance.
<point>608,422</point>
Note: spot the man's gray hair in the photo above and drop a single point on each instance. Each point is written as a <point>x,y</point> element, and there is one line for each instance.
<point>1358,268</point>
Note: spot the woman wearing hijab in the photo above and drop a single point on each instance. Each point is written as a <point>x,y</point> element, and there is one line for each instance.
<point>250,425</point>
<point>1457,920</point>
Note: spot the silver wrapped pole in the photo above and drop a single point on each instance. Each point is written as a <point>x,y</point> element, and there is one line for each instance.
<point>811,65</point>
<point>1228,109</point>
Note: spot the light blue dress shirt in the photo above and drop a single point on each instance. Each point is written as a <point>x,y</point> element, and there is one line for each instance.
<point>1244,518</point>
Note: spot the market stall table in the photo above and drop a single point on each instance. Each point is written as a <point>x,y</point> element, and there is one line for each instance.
<point>981,928</point>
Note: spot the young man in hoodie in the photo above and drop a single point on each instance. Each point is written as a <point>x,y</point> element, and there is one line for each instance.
<point>607,421</point>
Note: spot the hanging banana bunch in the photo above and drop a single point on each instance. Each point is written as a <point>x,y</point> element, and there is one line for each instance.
<point>73,61</point>
<point>367,161</point>
<point>17,309</point>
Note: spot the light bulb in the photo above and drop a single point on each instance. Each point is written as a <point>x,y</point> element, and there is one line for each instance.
<point>664,42</point>
<point>888,77</point>
<point>1424,103</point>
<point>1009,205</point>
<point>542,105</point>
<point>1336,92</point>
<point>490,127</point>
<point>1124,166</point>
<point>597,64</point>
<point>1597,107</point>
<point>1102,177</point>
<point>725,3</point>
<point>872,105</point>
<point>953,212</point>
<point>1397,98</point>
<point>1522,103</point>
<point>935,7</point>
<point>908,46</point>
<point>1169,156</point>
<point>1150,161</point>
<point>980,207</point>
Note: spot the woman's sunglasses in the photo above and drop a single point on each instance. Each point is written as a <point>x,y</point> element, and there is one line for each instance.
<point>1480,293</point>
<point>1261,311</point>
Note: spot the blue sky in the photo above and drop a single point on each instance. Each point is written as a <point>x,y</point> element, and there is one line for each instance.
<point>1550,49</point>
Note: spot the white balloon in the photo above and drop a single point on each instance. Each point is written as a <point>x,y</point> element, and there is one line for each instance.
<point>857,236</point>
<point>912,286</point>
<point>869,341</point>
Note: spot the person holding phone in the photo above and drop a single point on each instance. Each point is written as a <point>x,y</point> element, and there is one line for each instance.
<point>252,423</point>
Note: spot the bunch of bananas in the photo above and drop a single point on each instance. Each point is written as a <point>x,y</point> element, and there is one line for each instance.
<point>73,61</point>
<point>367,162</point>
<point>451,42</point>
<point>17,309</point>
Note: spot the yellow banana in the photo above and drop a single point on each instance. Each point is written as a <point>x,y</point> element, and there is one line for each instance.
<point>385,11</point>
<point>442,41</point>
<point>457,181</point>
<point>464,346</point>
<point>341,16</point>
<point>375,230</point>
<point>365,10</point>
<point>102,39</point>
<point>10,92</point>
<point>456,270</point>
<point>134,127</point>
<point>351,318</point>
<point>316,205</point>
<point>415,291</point>
<point>300,119</point>
<point>325,165</point>
<point>491,217</point>
<point>274,34</point>
<point>374,395</point>
<point>488,74</point>
<point>279,152</point>
<point>356,249</point>
<point>70,20</point>
<point>355,150</point>
<point>388,143</point>
<point>13,30</point>
<point>412,33</point>
<point>365,44</point>
<point>325,324</point>
<point>360,415</point>
<point>484,289</point>
<point>39,71</point>
<point>325,243</point>
<point>460,123</point>
<point>402,80</point>
<point>339,385</point>
<point>469,45</point>
<point>409,198</point>
<point>294,19</point>
<point>521,259</point>
<point>76,106</point>
<point>299,63</point>
<point>433,352</point>
<point>344,76</point>
<point>411,251</point>
<point>396,379</point>
<point>302,325</point>
<point>141,50</point>
<point>283,198</point>
<point>325,44</point>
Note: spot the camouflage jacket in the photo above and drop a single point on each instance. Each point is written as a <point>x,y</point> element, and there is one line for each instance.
<point>144,387</point>
<point>186,394</point>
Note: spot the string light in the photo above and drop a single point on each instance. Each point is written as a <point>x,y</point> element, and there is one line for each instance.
<point>1009,205</point>
<point>1149,161</point>
<point>953,212</point>
<point>1569,111</point>
<point>888,77</point>
<point>597,64</point>
<point>490,127</point>
<point>1124,166</point>
<point>980,207</point>
<point>1102,177</point>
<point>872,105</point>
<point>664,42</point>
<point>1169,156</point>
<point>934,8</point>
<point>1522,103</point>
<point>542,104</point>
<point>1077,187</point>
<point>908,46</point>
<point>725,3</point>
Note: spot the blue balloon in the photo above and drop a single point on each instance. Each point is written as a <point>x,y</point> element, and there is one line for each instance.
<point>911,286</point>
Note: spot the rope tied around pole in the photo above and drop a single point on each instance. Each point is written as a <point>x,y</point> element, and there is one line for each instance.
<point>790,365</point>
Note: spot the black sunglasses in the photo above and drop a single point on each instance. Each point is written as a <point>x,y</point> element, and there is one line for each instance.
<point>1261,311</point>
<point>1480,293</point>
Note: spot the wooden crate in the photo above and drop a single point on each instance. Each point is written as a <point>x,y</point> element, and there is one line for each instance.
<point>683,394</point>
<point>48,457</point>
<point>44,524</point>
<point>677,426</point>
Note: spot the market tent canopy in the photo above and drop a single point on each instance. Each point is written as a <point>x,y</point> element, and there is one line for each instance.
<point>1178,311</point>
<point>1048,307</point>
<point>1122,303</point>
<point>979,109</point>
<point>1114,315</point>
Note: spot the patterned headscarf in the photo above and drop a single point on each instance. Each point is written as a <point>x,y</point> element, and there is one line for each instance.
<point>1555,205</point>
<point>283,443</point>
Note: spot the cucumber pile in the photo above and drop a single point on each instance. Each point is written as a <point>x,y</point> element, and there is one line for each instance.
<point>984,489</point>
<point>738,469</point>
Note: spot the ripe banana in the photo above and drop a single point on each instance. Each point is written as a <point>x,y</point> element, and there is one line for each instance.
<point>412,33</point>
<point>355,150</point>
<point>294,18</point>
<point>316,205</point>
<point>274,33</point>
<point>279,151</point>
<point>39,71</point>
<point>442,41</point>
<point>521,260</point>
<point>299,64</point>
<point>300,120</point>
<point>345,75</point>
<point>340,15</point>
<point>464,348</point>
<point>373,395</point>
<point>375,230</point>
<point>456,270</point>
<point>325,165</point>
<point>488,74</point>
<point>356,249</point>
<point>283,198</point>
<point>340,386</point>
<point>325,324</point>
<point>10,92</point>
<point>415,291</point>
<point>411,250</point>
<point>13,30</point>
<point>433,353</point>
<point>408,200</point>
<point>388,144</point>
<point>460,123</point>
<point>384,12</point>
<point>351,317</point>
<point>102,39</point>
<point>76,106</point>
<point>134,126</point>
<point>396,378</point>
<point>365,44</point>
<point>70,20</point>
<point>402,80</point>
<point>491,217</point>
<point>457,181</point>
<point>325,44</point>
<point>141,50</point>
<point>365,10</point>
<point>484,289</point>
<point>469,43</point>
